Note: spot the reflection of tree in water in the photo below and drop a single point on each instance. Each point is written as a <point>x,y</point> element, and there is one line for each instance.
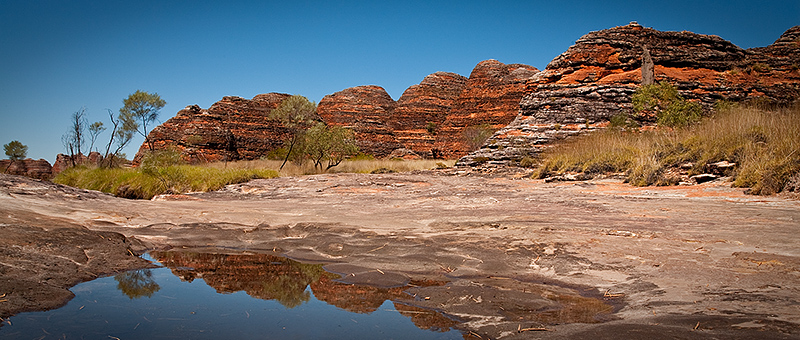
<point>137,283</point>
<point>290,289</point>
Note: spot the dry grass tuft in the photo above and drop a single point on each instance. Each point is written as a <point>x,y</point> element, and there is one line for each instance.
<point>347,166</point>
<point>763,142</point>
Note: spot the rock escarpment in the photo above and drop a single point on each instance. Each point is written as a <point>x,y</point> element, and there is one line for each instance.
<point>233,128</point>
<point>39,169</point>
<point>367,110</point>
<point>430,118</point>
<point>581,89</point>
<point>422,110</point>
<point>490,99</point>
<point>65,161</point>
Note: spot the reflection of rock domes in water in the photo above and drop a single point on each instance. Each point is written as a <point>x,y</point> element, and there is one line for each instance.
<point>277,278</point>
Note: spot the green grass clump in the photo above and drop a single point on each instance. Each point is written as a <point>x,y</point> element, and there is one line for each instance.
<point>764,143</point>
<point>146,182</point>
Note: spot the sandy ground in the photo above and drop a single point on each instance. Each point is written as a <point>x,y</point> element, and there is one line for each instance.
<point>522,258</point>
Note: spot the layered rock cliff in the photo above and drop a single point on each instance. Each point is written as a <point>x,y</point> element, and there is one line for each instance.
<point>233,128</point>
<point>581,89</point>
<point>490,99</point>
<point>422,110</point>
<point>39,169</point>
<point>367,110</point>
<point>430,118</point>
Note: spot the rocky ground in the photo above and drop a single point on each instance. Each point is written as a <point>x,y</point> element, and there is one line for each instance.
<point>521,258</point>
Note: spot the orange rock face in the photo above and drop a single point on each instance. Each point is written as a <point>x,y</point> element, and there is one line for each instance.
<point>233,128</point>
<point>490,98</point>
<point>594,80</point>
<point>422,109</point>
<point>430,118</point>
<point>367,110</point>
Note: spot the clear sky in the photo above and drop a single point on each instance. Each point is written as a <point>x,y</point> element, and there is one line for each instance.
<point>58,56</point>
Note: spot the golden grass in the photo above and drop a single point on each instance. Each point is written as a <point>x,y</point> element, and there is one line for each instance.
<point>764,143</point>
<point>347,166</point>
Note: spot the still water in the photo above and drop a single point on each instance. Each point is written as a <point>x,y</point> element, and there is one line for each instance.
<point>217,296</point>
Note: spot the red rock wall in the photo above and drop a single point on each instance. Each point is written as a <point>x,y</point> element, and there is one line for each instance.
<point>422,109</point>
<point>429,118</point>
<point>233,128</point>
<point>64,161</point>
<point>39,169</point>
<point>491,97</point>
<point>367,110</point>
<point>581,89</point>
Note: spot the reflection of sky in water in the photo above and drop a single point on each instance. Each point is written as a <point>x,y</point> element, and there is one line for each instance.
<point>193,310</point>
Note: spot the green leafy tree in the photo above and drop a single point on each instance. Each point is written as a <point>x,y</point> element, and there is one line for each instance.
<point>141,109</point>
<point>121,135</point>
<point>94,130</point>
<point>328,146</point>
<point>669,107</point>
<point>15,150</point>
<point>297,114</point>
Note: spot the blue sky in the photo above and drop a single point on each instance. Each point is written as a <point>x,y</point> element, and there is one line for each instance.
<point>59,56</point>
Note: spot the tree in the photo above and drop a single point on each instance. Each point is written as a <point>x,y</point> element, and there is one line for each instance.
<point>15,151</point>
<point>328,146</point>
<point>297,114</point>
<point>140,109</point>
<point>94,130</point>
<point>121,135</point>
<point>669,107</point>
<point>74,138</point>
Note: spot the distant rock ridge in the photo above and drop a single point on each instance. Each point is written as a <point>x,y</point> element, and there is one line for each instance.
<point>367,110</point>
<point>39,169</point>
<point>429,118</point>
<point>233,128</point>
<point>581,89</point>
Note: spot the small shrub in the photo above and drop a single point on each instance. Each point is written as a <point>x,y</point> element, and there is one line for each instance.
<point>475,136</point>
<point>362,157</point>
<point>670,108</point>
<point>527,162</point>
<point>623,120</point>
<point>431,128</point>
<point>761,68</point>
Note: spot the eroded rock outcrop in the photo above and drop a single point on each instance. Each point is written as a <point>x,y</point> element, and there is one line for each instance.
<point>581,89</point>
<point>422,109</point>
<point>367,110</point>
<point>490,99</point>
<point>233,128</point>
<point>39,169</point>
<point>429,118</point>
<point>65,161</point>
